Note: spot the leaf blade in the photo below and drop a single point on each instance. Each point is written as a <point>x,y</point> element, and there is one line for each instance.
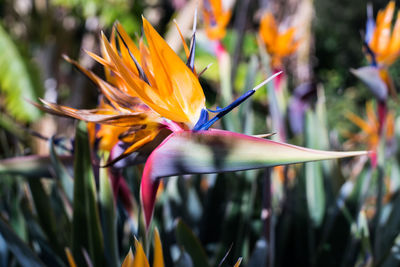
<point>16,81</point>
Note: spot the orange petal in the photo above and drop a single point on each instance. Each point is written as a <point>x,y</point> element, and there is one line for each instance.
<point>118,98</point>
<point>109,136</point>
<point>129,260</point>
<point>268,31</point>
<point>158,254</point>
<point>70,258</point>
<point>359,122</point>
<point>140,259</point>
<point>147,65</point>
<point>390,126</point>
<point>237,264</point>
<point>284,43</point>
<point>372,119</point>
<point>131,45</point>
<point>175,81</point>
<point>111,117</point>
<point>185,47</point>
<point>381,36</point>
<point>394,46</point>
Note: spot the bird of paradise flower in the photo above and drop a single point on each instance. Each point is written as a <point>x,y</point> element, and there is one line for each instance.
<point>382,48</point>
<point>159,99</point>
<point>371,133</point>
<point>216,15</point>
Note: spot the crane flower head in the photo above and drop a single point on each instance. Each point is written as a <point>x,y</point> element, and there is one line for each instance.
<point>147,88</point>
<point>217,14</point>
<point>383,41</point>
<point>157,75</point>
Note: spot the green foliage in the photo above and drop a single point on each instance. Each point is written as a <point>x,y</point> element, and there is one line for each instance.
<point>108,11</point>
<point>188,240</point>
<point>86,231</point>
<point>16,80</point>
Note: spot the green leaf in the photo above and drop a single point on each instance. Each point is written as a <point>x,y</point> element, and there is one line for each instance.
<point>223,151</point>
<point>387,230</point>
<point>23,254</point>
<point>8,124</point>
<point>259,256</point>
<point>315,191</point>
<point>61,173</point>
<point>109,219</point>
<point>46,215</point>
<point>219,151</point>
<point>191,245</point>
<point>33,166</point>
<point>17,220</point>
<point>16,81</point>
<point>231,120</point>
<point>245,109</point>
<point>86,229</point>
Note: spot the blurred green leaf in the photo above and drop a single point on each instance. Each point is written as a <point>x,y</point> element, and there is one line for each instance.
<point>245,110</point>
<point>86,229</point>
<point>109,219</point>
<point>231,120</point>
<point>46,216</point>
<point>393,258</point>
<point>109,11</point>
<point>61,173</point>
<point>191,244</point>
<point>260,254</point>
<point>17,220</point>
<point>16,81</point>
<point>387,231</point>
<point>9,125</point>
<point>23,254</point>
<point>33,166</point>
<point>315,191</point>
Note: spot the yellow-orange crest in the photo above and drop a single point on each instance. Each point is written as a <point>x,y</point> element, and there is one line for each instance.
<point>170,89</point>
<point>148,87</point>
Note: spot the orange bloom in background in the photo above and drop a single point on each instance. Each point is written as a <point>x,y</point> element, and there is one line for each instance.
<point>216,18</point>
<point>385,42</point>
<point>370,133</point>
<point>278,44</point>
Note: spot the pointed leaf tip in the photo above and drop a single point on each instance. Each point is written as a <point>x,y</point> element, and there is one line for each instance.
<point>216,151</point>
